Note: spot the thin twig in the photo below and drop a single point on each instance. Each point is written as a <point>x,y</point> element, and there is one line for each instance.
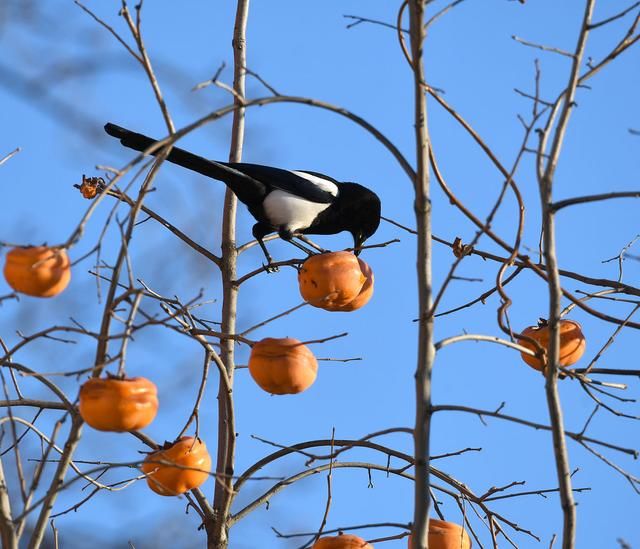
<point>110,29</point>
<point>542,47</point>
<point>329,497</point>
<point>593,198</point>
<point>10,155</point>
<point>613,17</point>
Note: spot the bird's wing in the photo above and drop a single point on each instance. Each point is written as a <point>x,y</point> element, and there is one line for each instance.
<point>311,186</point>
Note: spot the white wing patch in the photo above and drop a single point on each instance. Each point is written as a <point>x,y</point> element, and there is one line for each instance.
<point>292,212</point>
<point>323,184</point>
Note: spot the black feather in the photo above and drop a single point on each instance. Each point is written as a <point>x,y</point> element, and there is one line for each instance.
<point>351,207</point>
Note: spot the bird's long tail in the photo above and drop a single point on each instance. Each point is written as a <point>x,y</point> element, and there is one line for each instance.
<point>239,182</point>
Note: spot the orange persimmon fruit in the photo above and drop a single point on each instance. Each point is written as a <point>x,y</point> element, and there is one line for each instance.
<point>446,535</point>
<point>572,342</point>
<point>177,467</point>
<point>37,271</point>
<point>282,366</point>
<point>342,541</point>
<point>336,281</point>
<point>365,293</point>
<point>113,404</point>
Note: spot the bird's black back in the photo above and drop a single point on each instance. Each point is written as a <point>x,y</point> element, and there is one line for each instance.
<point>288,181</point>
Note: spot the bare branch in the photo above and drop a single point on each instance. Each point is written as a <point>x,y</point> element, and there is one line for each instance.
<point>329,479</point>
<point>537,426</point>
<point>359,20</point>
<point>271,319</point>
<point>7,531</point>
<point>146,62</point>
<point>555,290</point>
<point>426,351</point>
<point>110,29</point>
<point>593,198</point>
<point>613,17</point>
<point>9,156</point>
<point>480,337</point>
<point>442,12</point>
<point>541,47</point>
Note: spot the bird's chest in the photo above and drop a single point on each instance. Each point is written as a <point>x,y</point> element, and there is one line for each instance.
<point>283,209</point>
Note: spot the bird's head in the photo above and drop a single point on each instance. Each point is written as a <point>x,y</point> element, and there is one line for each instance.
<point>365,215</point>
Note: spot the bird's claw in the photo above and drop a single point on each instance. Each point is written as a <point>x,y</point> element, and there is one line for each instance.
<point>270,267</point>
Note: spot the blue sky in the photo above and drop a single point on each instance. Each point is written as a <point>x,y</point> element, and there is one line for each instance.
<point>305,49</point>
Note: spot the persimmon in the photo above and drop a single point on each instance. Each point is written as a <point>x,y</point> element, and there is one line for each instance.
<point>38,271</point>
<point>365,293</point>
<point>282,366</point>
<point>336,281</point>
<point>113,404</point>
<point>572,342</point>
<point>342,541</point>
<point>177,467</point>
<point>446,535</point>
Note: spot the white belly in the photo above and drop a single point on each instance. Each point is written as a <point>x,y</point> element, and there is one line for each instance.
<point>289,211</point>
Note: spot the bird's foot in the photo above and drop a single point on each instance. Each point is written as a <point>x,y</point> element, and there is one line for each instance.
<point>270,267</point>
<point>313,248</point>
<point>317,251</point>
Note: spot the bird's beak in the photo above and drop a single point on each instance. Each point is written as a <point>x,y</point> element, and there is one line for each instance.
<point>358,241</point>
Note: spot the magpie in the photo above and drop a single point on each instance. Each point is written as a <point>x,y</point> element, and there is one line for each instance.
<point>291,203</point>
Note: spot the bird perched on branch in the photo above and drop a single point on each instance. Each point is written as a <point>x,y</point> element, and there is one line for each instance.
<point>291,203</point>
